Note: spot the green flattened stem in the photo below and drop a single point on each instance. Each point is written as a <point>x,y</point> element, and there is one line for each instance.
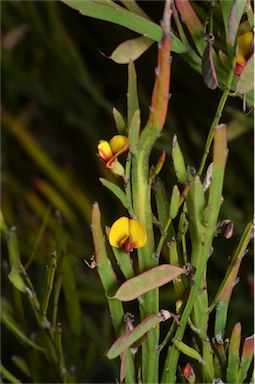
<point>222,298</point>
<point>246,359</point>
<point>60,354</point>
<point>141,191</point>
<point>217,117</point>
<point>233,354</point>
<point>200,313</point>
<point>178,282</point>
<point>124,262</point>
<point>120,122</point>
<point>47,290</point>
<point>108,279</point>
<point>8,375</point>
<point>178,160</point>
<point>201,248</point>
<point>173,211</point>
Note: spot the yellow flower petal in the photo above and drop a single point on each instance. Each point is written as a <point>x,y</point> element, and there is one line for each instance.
<point>119,232</point>
<point>137,234</point>
<point>240,59</point>
<point>104,150</point>
<point>244,43</point>
<point>119,143</point>
<point>127,234</point>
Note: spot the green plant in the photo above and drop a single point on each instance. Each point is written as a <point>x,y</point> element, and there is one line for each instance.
<point>169,235</point>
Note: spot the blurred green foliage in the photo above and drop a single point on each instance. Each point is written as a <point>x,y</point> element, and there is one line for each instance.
<point>58,92</point>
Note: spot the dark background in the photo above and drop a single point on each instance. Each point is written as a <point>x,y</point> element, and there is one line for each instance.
<point>56,83</point>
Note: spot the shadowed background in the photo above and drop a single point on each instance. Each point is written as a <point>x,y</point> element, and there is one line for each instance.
<point>58,92</point>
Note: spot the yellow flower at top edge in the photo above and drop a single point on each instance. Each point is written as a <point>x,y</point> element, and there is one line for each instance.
<point>109,151</point>
<point>244,43</point>
<point>127,234</point>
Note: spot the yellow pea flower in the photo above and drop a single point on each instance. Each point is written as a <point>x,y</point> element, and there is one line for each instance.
<point>244,43</point>
<point>109,151</point>
<point>127,234</point>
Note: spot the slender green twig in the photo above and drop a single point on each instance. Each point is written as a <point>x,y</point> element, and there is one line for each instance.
<point>30,291</point>
<point>128,185</point>
<point>48,287</point>
<point>239,252</point>
<point>58,285</point>
<point>217,117</point>
<point>212,4</point>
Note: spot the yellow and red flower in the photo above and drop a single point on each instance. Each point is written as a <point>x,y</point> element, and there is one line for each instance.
<point>109,152</point>
<point>245,48</point>
<point>127,234</point>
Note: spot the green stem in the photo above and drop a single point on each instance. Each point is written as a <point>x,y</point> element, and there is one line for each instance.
<point>162,237</point>
<point>239,253</point>
<point>141,190</point>
<point>202,237</point>
<point>128,185</point>
<point>48,287</point>
<point>142,205</point>
<point>172,357</point>
<point>217,117</point>
<point>212,4</point>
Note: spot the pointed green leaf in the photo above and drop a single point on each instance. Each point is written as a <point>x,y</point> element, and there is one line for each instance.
<point>179,164</point>
<point>132,6</point>
<point>47,290</point>
<point>147,281</point>
<point>119,16</point>
<point>224,60</point>
<point>21,364</point>
<point>124,262</point>
<point>16,280</point>
<point>183,225</point>
<point>220,153</point>
<point>174,203</point>
<point>246,359</point>
<point>196,206</point>
<point>134,130</point>
<point>116,190</point>
<point>131,20</point>
<point>233,353</point>
<point>188,351</point>
<point>161,202</point>
<point>8,375</point>
<point>179,287</point>
<point>130,338</point>
<point>159,165</point>
<point>120,122</point>
<point>131,50</point>
<point>132,97</point>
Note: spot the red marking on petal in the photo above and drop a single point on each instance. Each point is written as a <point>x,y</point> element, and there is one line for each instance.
<point>128,246</point>
<point>239,69</point>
